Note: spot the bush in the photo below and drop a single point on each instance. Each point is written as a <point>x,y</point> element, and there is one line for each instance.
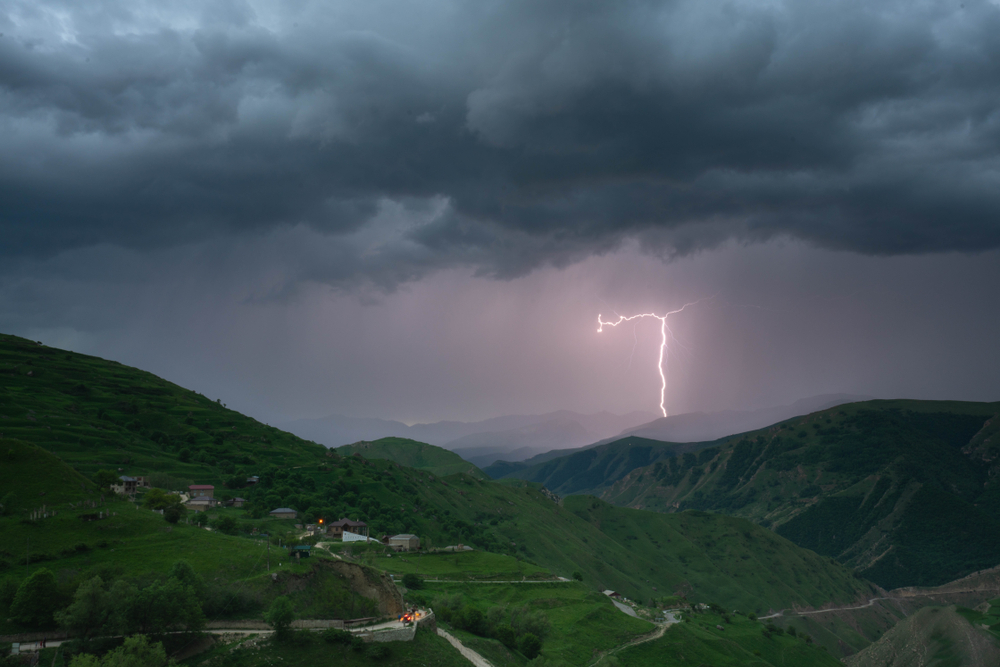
<point>578,576</point>
<point>530,646</point>
<point>412,581</point>
<point>174,514</point>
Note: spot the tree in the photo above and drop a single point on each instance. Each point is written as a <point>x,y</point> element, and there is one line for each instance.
<point>36,599</point>
<point>227,525</point>
<point>530,646</point>
<point>158,499</point>
<point>105,478</point>
<point>183,572</point>
<point>89,612</point>
<point>185,455</point>
<point>174,514</point>
<point>158,608</point>
<point>280,617</point>
<point>201,519</point>
<point>412,581</point>
<point>578,576</point>
<point>135,652</point>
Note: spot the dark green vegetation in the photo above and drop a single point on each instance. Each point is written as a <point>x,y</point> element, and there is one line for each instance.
<point>413,454</point>
<point>739,643</point>
<point>312,648</point>
<point>933,637</point>
<point>904,491</point>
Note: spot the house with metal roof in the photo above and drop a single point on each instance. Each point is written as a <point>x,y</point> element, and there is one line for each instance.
<point>202,490</point>
<point>404,542</point>
<point>338,528</point>
<point>283,513</point>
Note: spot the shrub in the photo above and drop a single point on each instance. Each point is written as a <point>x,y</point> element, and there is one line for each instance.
<point>578,576</point>
<point>412,581</point>
<point>530,646</point>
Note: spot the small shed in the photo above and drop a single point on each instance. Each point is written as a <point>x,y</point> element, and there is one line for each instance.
<point>300,551</point>
<point>235,502</point>
<point>404,542</point>
<point>611,594</point>
<point>283,513</point>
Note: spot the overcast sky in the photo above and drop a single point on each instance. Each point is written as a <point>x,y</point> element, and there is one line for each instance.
<point>416,210</point>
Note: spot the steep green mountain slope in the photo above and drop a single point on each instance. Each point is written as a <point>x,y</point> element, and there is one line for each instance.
<point>593,470</point>
<point>413,454</point>
<point>932,637</point>
<point>905,491</point>
<point>95,414</point>
<point>126,418</point>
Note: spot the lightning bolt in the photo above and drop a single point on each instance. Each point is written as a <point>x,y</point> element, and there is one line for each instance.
<point>664,330</point>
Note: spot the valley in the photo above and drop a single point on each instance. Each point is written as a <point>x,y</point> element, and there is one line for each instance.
<point>659,524</point>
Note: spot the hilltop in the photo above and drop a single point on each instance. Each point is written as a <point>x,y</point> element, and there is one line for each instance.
<point>413,454</point>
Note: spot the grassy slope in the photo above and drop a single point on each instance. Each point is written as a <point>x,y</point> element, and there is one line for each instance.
<point>413,454</point>
<point>740,644</point>
<point>583,621</point>
<point>893,488</point>
<point>95,414</point>
<point>932,637</point>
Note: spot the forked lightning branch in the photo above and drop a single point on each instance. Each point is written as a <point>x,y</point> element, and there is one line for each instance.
<point>664,330</point>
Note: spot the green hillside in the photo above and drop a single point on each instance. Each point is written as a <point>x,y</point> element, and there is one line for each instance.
<point>729,640</point>
<point>413,454</point>
<point>932,637</point>
<point>93,414</point>
<point>122,417</point>
<point>905,491</point>
<point>593,470</point>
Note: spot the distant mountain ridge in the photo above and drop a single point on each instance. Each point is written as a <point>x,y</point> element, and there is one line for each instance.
<point>907,492</point>
<point>482,442</point>
<point>686,428</point>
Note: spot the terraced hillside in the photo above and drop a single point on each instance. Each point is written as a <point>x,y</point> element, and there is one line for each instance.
<point>904,491</point>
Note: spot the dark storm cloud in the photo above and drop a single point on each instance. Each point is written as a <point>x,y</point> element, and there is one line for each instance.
<point>500,135</point>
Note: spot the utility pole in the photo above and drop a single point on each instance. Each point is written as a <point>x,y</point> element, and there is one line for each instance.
<point>27,552</point>
<point>269,555</point>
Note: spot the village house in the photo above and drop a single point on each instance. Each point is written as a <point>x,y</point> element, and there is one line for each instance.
<point>202,490</point>
<point>235,502</point>
<point>126,485</point>
<point>283,513</point>
<point>201,503</point>
<point>338,528</point>
<point>404,542</point>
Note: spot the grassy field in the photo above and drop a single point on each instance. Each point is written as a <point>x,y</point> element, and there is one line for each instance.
<point>467,565</point>
<point>583,621</point>
<point>413,454</point>
<point>740,643</point>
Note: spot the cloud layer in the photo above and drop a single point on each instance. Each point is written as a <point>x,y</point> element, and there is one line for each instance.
<point>499,135</point>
